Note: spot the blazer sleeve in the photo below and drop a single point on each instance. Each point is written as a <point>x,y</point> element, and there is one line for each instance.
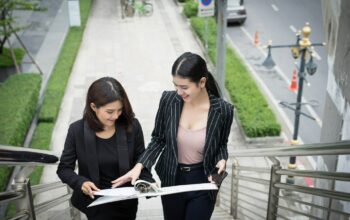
<point>65,170</point>
<point>155,147</point>
<point>139,149</point>
<point>222,153</point>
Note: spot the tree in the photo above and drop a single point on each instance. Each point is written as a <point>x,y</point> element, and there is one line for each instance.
<point>8,25</point>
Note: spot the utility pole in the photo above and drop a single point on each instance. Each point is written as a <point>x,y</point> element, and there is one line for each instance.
<point>221,43</point>
<point>303,49</point>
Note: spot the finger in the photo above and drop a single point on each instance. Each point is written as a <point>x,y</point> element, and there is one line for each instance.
<point>120,179</point>
<point>91,194</point>
<point>94,187</point>
<point>133,180</point>
<point>115,185</point>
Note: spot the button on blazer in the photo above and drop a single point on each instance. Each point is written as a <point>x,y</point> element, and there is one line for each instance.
<point>164,135</point>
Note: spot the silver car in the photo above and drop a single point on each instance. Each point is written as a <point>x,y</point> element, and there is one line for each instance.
<point>236,12</point>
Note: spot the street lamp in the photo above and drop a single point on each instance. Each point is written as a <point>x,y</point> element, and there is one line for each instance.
<point>303,49</point>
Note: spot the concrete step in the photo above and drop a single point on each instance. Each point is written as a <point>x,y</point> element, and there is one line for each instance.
<point>157,214</point>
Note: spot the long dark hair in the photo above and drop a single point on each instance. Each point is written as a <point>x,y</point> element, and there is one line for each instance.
<point>194,67</point>
<point>101,92</point>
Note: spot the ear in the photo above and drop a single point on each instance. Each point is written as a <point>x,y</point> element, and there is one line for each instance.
<point>93,107</point>
<point>202,82</point>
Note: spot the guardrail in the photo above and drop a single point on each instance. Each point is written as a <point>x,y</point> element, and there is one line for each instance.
<point>22,193</point>
<point>271,196</point>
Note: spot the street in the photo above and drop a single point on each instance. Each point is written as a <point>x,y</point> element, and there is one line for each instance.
<point>278,21</point>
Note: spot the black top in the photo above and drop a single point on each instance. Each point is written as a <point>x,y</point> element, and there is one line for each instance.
<point>107,156</point>
<point>81,146</point>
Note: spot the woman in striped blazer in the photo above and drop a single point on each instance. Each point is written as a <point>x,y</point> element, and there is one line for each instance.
<point>190,135</point>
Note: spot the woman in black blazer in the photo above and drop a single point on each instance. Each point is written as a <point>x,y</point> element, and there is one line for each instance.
<point>106,143</point>
<point>190,135</point>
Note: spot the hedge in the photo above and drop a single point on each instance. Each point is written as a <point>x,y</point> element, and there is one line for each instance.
<point>256,117</point>
<point>6,57</point>
<point>18,97</point>
<point>41,140</point>
<point>190,9</point>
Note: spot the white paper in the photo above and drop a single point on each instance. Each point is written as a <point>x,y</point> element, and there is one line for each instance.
<point>124,193</point>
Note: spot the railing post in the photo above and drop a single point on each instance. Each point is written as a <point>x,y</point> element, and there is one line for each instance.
<point>25,204</point>
<point>272,205</point>
<point>234,189</point>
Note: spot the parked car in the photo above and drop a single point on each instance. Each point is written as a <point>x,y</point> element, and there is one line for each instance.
<point>236,12</point>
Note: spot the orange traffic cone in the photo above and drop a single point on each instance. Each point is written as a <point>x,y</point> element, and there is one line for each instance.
<point>256,39</point>
<point>294,84</point>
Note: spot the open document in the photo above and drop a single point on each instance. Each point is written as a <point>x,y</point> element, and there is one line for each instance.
<point>145,189</point>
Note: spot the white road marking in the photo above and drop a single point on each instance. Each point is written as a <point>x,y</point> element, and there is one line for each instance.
<point>274,7</point>
<point>293,28</point>
<point>316,55</point>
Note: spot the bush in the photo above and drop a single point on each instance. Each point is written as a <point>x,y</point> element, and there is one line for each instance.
<point>18,98</point>
<point>191,8</point>
<point>41,140</point>
<point>256,117</point>
<point>60,75</point>
<point>6,57</point>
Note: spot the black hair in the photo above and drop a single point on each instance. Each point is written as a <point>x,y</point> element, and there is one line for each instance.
<point>104,91</point>
<point>193,67</point>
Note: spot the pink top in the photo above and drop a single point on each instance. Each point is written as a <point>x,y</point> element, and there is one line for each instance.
<point>190,145</point>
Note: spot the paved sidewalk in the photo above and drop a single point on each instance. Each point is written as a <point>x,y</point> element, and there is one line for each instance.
<point>139,52</point>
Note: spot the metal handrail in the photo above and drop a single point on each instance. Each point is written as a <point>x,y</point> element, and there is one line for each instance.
<point>315,191</point>
<point>315,206</point>
<point>10,155</point>
<point>338,148</point>
<point>47,186</point>
<point>22,191</point>
<point>275,207</point>
<point>50,204</point>
<point>300,213</point>
<point>9,196</point>
<point>316,174</point>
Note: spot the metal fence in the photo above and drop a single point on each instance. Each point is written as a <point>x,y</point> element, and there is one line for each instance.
<point>22,192</point>
<point>256,192</point>
<point>263,193</point>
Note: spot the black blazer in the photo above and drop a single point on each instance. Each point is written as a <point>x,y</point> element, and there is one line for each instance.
<point>80,146</point>
<point>164,136</point>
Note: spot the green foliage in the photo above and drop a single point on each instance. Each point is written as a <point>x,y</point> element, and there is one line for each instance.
<point>60,75</point>
<point>6,58</point>
<point>41,140</point>
<point>18,98</point>
<point>8,22</point>
<point>255,116</point>
<point>190,8</point>
<point>4,175</point>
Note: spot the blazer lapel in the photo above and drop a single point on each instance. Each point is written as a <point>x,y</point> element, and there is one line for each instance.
<point>175,113</point>
<point>91,154</point>
<point>213,120</point>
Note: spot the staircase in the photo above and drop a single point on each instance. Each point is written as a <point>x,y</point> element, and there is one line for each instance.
<point>254,189</point>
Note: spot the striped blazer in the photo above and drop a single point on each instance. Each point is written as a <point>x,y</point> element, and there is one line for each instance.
<point>164,136</point>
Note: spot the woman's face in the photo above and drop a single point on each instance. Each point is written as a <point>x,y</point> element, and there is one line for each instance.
<point>188,90</point>
<point>108,113</point>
